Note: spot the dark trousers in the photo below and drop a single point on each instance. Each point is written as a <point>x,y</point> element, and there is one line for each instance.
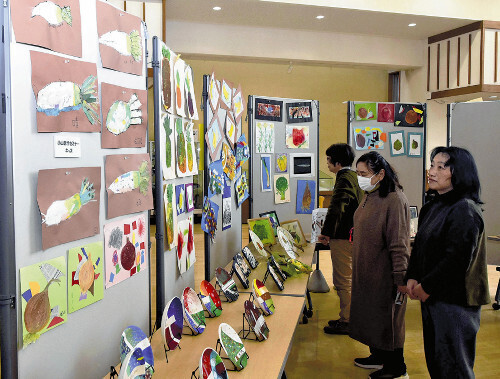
<point>450,339</point>
<point>393,360</point>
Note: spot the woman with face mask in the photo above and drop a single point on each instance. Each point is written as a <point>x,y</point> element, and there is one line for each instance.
<point>380,259</point>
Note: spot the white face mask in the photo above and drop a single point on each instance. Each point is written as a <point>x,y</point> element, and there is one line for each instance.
<point>365,183</point>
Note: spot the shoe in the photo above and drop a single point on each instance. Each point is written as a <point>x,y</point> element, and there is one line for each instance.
<point>338,327</point>
<point>370,362</point>
<point>334,322</point>
<point>383,374</point>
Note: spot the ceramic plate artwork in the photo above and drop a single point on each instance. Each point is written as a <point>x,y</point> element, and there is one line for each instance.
<point>241,276</point>
<point>286,242</point>
<point>227,284</point>
<point>133,366</point>
<point>256,320</point>
<point>257,243</point>
<point>210,299</point>
<point>263,297</point>
<point>133,337</point>
<point>172,323</point>
<point>233,346</point>
<point>243,265</point>
<point>276,267</point>
<point>276,277</point>
<point>193,310</point>
<point>211,365</point>
<point>249,257</point>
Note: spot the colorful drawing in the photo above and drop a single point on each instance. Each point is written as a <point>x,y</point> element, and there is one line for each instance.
<point>133,365</point>
<point>172,323</point>
<point>180,197</point>
<point>231,129</point>
<point>226,284</point>
<point>365,111</point>
<point>193,311</point>
<point>53,13</point>
<point>180,144</point>
<point>266,109</point>
<point>241,187</point>
<point>240,261</point>
<point>409,115</point>
<point>166,72</point>
<point>242,151</point>
<point>249,257</point>
<point>125,249</point>
<point>134,338</point>
<point>298,112</point>
<point>236,268</point>
<point>131,180</point>
<point>297,137</point>
<point>370,138</point>
<point>189,197</point>
<point>85,279</point>
<point>209,218</point>
<point>214,138</point>
<point>216,182</point>
<point>263,297</point>
<point>276,277</point>
<point>170,216</point>
<point>213,93</point>
<point>123,114</point>
<point>286,241</point>
<point>306,194</point>
<point>44,300</point>
<point>264,137</point>
<point>210,299</point>
<point>126,44</point>
<point>211,365</point>
<point>295,229</point>
<point>385,112</point>
<point>226,95</point>
<point>228,161</point>
<point>233,346</point>
<point>180,100</point>
<point>397,141</point>
<point>273,218</point>
<point>265,173</point>
<point>256,320</point>
<point>185,245</point>
<point>281,188</point>
<point>167,139</point>
<point>318,219</point>
<point>281,162</point>
<point>257,243</point>
<point>238,104</point>
<point>415,148</point>
<point>226,205</point>
<point>263,229</point>
<point>192,110</point>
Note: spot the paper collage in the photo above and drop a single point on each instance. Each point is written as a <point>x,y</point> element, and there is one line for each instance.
<point>281,162</point>
<point>228,161</point>
<point>306,194</point>
<point>226,205</point>
<point>214,138</point>
<point>365,111</point>
<point>238,104</point>
<point>125,248</point>
<point>180,100</point>
<point>242,151</point>
<point>297,137</point>
<point>68,199</point>
<point>166,77</point>
<point>397,141</point>
<point>385,112</point>
<point>85,275</point>
<point>226,95</point>
<point>213,93</point>
<point>409,115</point>
<point>189,197</point>
<point>216,181</point>
<point>298,112</point>
<point>67,98</point>
<point>189,95</point>
<point>170,216</point>
<point>415,141</point>
<point>185,245</point>
<point>231,129</point>
<point>266,109</point>
<point>265,173</point>
<point>180,199</point>
<point>167,139</point>
<point>125,117</point>
<point>209,218</point>
<point>264,137</point>
<point>241,187</point>
<point>370,138</point>
<point>120,39</point>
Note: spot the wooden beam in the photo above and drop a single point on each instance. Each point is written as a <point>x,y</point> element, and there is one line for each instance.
<point>470,56</point>
<point>144,12</point>
<point>150,72</point>
<point>125,6</point>
<point>456,32</point>
<point>428,68</point>
<point>491,24</point>
<point>448,65</point>
<point>458,63</point>
<point>478,88</point>
<point>438,64</point>
<point>481,57</point>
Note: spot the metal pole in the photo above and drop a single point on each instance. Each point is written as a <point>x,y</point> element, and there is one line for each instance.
<point>205,105</point>
<point>250,165</point>
<point>449,110</point>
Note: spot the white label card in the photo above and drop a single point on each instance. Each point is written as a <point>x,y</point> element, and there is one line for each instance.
<point>67,147</point>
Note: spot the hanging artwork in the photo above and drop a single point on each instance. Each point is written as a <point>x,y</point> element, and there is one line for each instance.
<point>120,39</point>
<point>56,24</point>
<point>180,199</point>
<point>233,346</point>
<point>133,340</point>
<point>181,148</point>
<point>414,146</point>
<point>125,248</point>
<point>397,141</point>
<point>318,220</point>
<point>365,111</point>
<point>226,205</point>
<point>191,108</point>
<point>263,229</point>
<point>44,301</point>
<point>213,93</point>
<point>167,139</point>
<point>125,117</point>
<point>302,165</point>
<point>238,104</point>
<point>242,151</point>
<point>193,311</point>
<point>216,178</point>
<point>228,161</point>
<point>241,187</point>
<point>211,365</point>
<point>273,218</point>
<point>249,257</point>
<point>185,245</point>
<point>281,162</point>
<point>297,137</point>
<point>256,320</point>
<point>295,230</point>
<point>227,284</point>
<point>409,115</point>
<point>210,299</point>
<point>172,323</point>
<point>385,112</point>
<point>166,74</point>
<point>68,199</point>
<point>179,69</point>
<point>226,95</point>
<point>85,275</point>
<point>67,98</point>
<point>231,129</point>
<point>370,138</point>
<point>266,109</point>
<point>264,137</point>
<point>209,218</point>
<point>214,138</point>
<point>281,188</point>
<point>170,216</point>
<point>128,184</point>
<point>189,197</point>
<point>265,173</point>
<point>298,112</point>
<point>306,193</point>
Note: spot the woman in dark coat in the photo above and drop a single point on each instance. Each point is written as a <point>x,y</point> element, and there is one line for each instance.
<point>380,259</point>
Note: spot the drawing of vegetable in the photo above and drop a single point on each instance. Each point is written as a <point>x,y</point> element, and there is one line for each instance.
<point>414,144</point>
<point>53,13</point>
<point>37,312</point>
<point>127,255</point>
<point>121,115</point>
<point>189,148</point>
<point>306,198</point>
<point>133,179</point>
<point>170,215</point>
<point>165,73</point>
<point>181,146</point>
<point>282,160</point>
<point>266,169</point>
<point>398,145</point>
<point>123,43</point>
<point>298,137</point>
<point>168,144</point>
<point>61,210</point>
<point>57,97</point>
<point>178,94</point>
<point>281,186</point>
<point>189,98</point>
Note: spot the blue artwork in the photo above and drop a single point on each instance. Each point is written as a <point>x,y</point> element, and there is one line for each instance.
<point>209,217</point>
<point>180,197</point>
<point>216,181</point>
<point>306,193</point>
<point>369,138</point>
<point>241,186</point>
<point>242,151</point>
<point>226,205</point>
<point>265,172</point>
<point>133,337</point>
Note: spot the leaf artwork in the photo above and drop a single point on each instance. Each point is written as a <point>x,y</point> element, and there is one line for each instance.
<point>293,227</point>
<point>397,143</point>
<point>180,196</point>
<point>281,162</point>
<point>370,138</point>
<point>306,194</point>
<point>415,145</point>
<point>185,245</point>
<point>263,229</point>
<point>180,100</point>
<point>281,188</point>
<point>365,111</point>
<point>264,137</point>
<point>409,115</point>
<point>241,187</point>
<point>265,172</point>
<point>189,197</point>
<point>216,181</point>
<point>166,70</point>
<point>226,205</point>
<point>228,161</point>
<point>242,151</point>
<point>214,138</point>
<point>192,110</point>
<point>209,218</point>
<point>297,137</point>
<point>213,92</point>
<point>170,216</point>
<point>226,95</point>
<point>167,139</point>
<point>238,104</point>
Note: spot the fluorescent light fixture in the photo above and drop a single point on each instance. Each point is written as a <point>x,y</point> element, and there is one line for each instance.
<point>216,8</point>
<point>493,97</point>
<point>412,24</point>
<point>319,17</point>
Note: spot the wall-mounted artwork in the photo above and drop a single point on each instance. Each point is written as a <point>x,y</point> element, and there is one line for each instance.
<point>56,24</point>
<point>226,95</point>
<point>180,100</point>
<point>184,144</point>
<point>297,137</point>
<point>167,141</point>
<point>306,195</point>
<point>263,229</point>
<point>209,217</point>
<point>281,162</point>
<point>281,188</point>
<point>167,77</point>
<point>172,323</point>
<point>226,205</point>
<point>85,275</point>
<point>266,109</point>
<point>266,172</point>
<point>67,98</point>
<point>170,216</point>
<point>125,248</point>
<point>191,108</point>
<point>214,138</point>
<point>295,229</point>
<point>242,151</point>
<point>120,39</point>
<point>241,187</point>
<point>385,112</point>
<point>128,184</point>
<point>228,161</point>
<point>216,178</point>
<point>264,137</point>
<point>180,199</point>
<point>238,104</point>
<point>299,112</point>
<point>415,145</point>
<point>233,346</point>
<point>397,141</point>
<point>302,165</point>
<point>370,138</point>
<point>44,300</point>
<point>185,245</point>
<point>231,129</point>
<point>189,197</point>
<point>318,220</point>
<point>125,116</point>
<point>68,200</point>
<point>365,111</point>
<point>213,93</point>
<point>409,115</point>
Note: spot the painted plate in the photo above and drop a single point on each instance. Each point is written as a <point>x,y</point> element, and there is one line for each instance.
<point>133,337</point>
<point>193,310</point>
<point>245,269</point>
<point>240,275</point>
<point>277,267</point>
<point>210,299</point>
<point>133,366</point>
<point>227,284</point>
<point>263,297</point>
<point>275,276</point>
<point>211,365</point>
<point>286,241</point>
<point>249,257</point>
<point>172,323</point>
<point>256,320</point>
<point>233,346</point>
<point>257,243</point>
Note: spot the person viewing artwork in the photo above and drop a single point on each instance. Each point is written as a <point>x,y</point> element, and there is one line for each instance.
<point>379,262</point>
<point>447,270</point>
<point>337,227</point>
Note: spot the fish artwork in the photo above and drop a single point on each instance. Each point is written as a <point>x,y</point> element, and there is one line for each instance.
<point>125,44</point>
<point>121,115</point>
<point>57,97</point>
<point>53,13</point>
<point>133,179</point>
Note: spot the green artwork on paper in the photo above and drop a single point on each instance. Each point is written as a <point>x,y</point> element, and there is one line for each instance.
<point>365,111</point>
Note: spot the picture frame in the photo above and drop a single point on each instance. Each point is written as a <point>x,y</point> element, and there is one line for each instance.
<point>262,227</point>
<point>266,109</point>
<point>302,165</point>
<point>413,211</point>
<point>397,142</point>
<point>299,112</point>
<point>273,217</point>
<point>414,146</point>
<point>266,173</point>
<point>295,229</point>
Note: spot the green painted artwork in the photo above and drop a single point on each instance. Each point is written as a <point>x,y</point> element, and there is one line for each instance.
<point>233,346</point>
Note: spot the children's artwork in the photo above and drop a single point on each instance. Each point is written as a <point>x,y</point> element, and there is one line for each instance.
<point>67,98</point>
<point>170,216</point>
<point>55,24</point>
<point>397,141</point>
<point>236,269</point>
<point>281,188</point>
<point>228,161</point>
<point>120,39</point>
<point>233,346</point>
<point>266,109</point>
<point>365,111</point>
<point>133,341</point>
<point>210,299</point>
<point>167,156</point>
<point>213,93</point>
<point>265,173</point>
<point>281,162</point>
<point>306,194</point>
<point>414,147</point>
<point>214,138</point>
<point>242,151</point>
<point>216,181</point>
<point>180,100</point>
<point>238,104</point>
<point>385,112</point>
<point>125,116</point>
<point>191,108</point>
<point>128,184</point>
<point>189,197</point>
<point>273,218</point>
<point>264,137</point>
<point>257,243</point>
<point>193,311</point>
<point>249,257</point>
<point>286,241</point>
<point>44,300</point>
<point>298,112</point>
<point>256,320</point>
<point>226,95</point>
<point>276,267</point>
<point>263,229</point>
<point>133,364</point>
<point>302,165</point>
<point>277,279</point>
<point>297,137</point>
<point>231,129</point>
<point>68,199</point>
<point>241,187</point>
<point>209,218</point>
<point>227,284</point>
<point>167,76</point>
<point>226,205</point>
<point>211,365</point>
<point>184,143</point>
<point>172,323</point>
<point>318,219</point>
<point>85,275</point>
<point>185,245</point>
<point>180,199</point>
<point>370,138</point>
<point>240,261</point>
<point>409,115</point>
<point>295,229</point>
<point>125,248</point>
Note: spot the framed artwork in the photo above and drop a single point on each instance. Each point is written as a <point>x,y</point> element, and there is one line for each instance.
<point>281,188</point>
<point>281,162</point>
<point>365,111</point>
<point>413,211</point>
<point>264,137</point>
<point>414,146</point>
<point>302,164</point>
<point>265,173</point>
<point>294,228</point>
<point>385,112</point>
<point>298,112</point>
<point>263,229</point>
<point>397,141</point>
<point>266,109</point>
<point>370,138</point>
<point>273,217</point>
<point>306,193</point>
<point>409,115</point>
<point>297,136</point>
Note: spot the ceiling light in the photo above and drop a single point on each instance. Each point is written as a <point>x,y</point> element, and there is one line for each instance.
<point>319,17</point>
<point>412,24</point>
<point>493,97</point>
<point>216,8</point>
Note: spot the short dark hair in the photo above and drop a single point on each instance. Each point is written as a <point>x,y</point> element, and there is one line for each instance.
<point>464,175</point>
<point>377,162</point>
<point>341,153</point>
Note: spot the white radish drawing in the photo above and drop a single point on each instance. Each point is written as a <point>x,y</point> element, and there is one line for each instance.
<point>53,13</point>
<point>121,115</point>
<point>125,44</point>
<point>131,180</point>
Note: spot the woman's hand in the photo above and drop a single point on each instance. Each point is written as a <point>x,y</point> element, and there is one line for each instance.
<point>410,286</point>
<point>325,240</point>
<point>420,294</point>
